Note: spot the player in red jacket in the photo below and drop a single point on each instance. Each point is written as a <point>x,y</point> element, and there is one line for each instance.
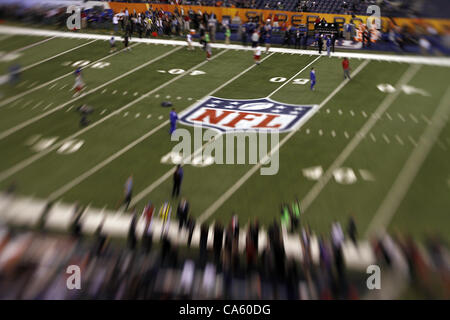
<point>346,67</point>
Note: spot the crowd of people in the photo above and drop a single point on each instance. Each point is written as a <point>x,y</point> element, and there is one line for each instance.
<point>36,264</point>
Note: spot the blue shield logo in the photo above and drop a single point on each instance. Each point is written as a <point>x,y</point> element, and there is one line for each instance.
<point>231,115</point>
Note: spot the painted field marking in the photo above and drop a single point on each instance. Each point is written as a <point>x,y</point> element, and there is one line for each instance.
<point>55,56</point>
<point>368,125</point>
<point>399,140</point>
<point>405,178</point>
<point>32,45</point>
<point>18,127</point>
<point>413,118</point>
<point>164,177</point>
<point>17,96</point>
<point>225,196</point>
<point>114,156</point>
<point>386,139</point>
<point>414,143</point>
<point>23,164</point>
<point>424,117</point>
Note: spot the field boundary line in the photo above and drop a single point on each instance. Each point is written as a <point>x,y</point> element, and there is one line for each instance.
<point>22,94</point>
<point>26,123</point>
<point>55,56</point>
<point>351,146</point>
<point>224,197</point>
<point>437,61</point>
<point>23,164</point>
<point>408,173</point>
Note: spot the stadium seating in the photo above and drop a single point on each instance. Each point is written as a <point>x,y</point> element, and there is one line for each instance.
<point>394,8</point>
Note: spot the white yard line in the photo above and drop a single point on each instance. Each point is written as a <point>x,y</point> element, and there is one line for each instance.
<point>24,124</point>
<point>20,95</point>
<point>55,56</point>
<point>90,172</point>
<point>293,77</point>
<point>32,45</point>
<point>439,61</point>
<point>225,196</point>
<point>367,127</point>
<point>169,173</point>
<point>25,163</point>
<point>405,178</point>
<point>5,36</point>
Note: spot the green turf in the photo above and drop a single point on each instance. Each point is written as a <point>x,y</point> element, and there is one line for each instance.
<point>318,143</point>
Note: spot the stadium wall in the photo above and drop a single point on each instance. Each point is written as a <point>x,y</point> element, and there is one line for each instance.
<point>291,18</point>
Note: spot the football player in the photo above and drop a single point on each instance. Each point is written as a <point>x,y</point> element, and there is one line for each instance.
<point>312,78</point>
<point>79,84</point>
<point>257,55</point>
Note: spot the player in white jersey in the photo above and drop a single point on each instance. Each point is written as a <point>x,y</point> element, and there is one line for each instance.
<point>189,41</point>
<point>208,51</point>
<point>79,84</point>
<point>257,55</point>
<point>112,43</point>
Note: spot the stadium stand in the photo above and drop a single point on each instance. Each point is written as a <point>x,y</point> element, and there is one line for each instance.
<point>392,8</point>
<point>226,265</point>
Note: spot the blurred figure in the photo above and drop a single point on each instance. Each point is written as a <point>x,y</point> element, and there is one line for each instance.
<point>182,213</point>
<point>173,121</point>
<point>14,74</point>
<point>164,214</point>
<point>227,35</point>
<point>191,227</point>
<point>189,41</point>
<point>112,44</point>
<point>346,67</point>
<point>425,46</point>
<point>128,192</point>
<point>328,46</point>
<point>351,230</point>
<point>217,242</point>
<point>203,243</point>
<point>257,55</point>
<point>79,83</point>
<point>126,42</point>
<point>177,180</point>
<point>132,240</point>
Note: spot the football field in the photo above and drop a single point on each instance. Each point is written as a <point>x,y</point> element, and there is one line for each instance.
<point>376,147</point>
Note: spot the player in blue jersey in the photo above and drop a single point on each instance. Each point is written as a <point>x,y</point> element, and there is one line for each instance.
<point>173,121</point>
<point>312,78</point>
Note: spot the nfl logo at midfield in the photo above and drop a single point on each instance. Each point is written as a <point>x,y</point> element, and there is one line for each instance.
<point>227,115</point>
